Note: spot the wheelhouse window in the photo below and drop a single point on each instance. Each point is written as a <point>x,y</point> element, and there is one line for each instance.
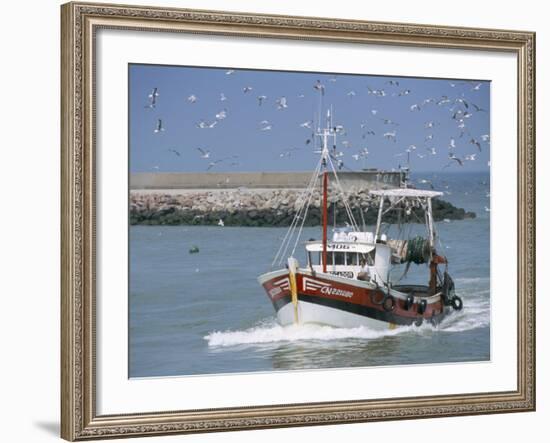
<point>339,258</point>
<point>353,259</point>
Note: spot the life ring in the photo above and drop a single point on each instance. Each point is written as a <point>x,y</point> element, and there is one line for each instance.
<point>456,301</point>
<point>373,295</point>
<point>409,302</point>
<point>388,303</point>
<point>422,307</point>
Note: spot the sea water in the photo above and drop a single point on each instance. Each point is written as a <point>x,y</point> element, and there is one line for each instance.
<point>205,313</point>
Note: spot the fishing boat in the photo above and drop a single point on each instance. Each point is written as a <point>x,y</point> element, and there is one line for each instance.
<point>349,280</point>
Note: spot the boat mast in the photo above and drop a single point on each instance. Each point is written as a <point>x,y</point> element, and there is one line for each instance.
<point>325,192</point>
<point>327,131</point>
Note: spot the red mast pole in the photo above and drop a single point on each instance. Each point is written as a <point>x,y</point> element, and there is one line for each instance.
<point>325,217</point>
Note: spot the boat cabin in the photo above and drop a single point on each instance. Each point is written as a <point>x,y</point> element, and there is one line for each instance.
<point>350,254</point>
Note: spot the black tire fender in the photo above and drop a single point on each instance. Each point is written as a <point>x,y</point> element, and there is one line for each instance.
<point>422,307</point>
<point>388,303</point>
<point>409,302</point>
<point>456,302</point>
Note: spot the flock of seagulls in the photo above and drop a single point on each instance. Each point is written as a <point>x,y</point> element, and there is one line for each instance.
<point>377,129</point>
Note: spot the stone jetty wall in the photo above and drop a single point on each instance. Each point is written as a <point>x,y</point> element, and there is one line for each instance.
<point>258,180</point>
<point>260,207</point>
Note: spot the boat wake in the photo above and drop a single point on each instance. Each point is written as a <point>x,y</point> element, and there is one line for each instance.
<point>474,315</point>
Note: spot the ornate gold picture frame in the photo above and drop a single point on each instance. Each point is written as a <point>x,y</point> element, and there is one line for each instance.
<point>80,23</point>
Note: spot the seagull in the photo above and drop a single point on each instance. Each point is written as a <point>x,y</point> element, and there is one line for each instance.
<point>476,87</point>
<point>204,153</point>
<point>287,153</point>
<point>261,98</point>
<point>212,164</point>
<point>301,95</point>
<point>221,223</point>
<point>452,144</point>
<point>429,137</point>
<point>387,121</point>
<point>247,89</point>
<point>351,94</point>
<point>487,209</point>
<point>373,111</point>
<point>404,92</point>
<point>473,141</point>
<point>361,154</point>
<point>485,137</point>
<point>478,109</point>
<point>346,143</point>
<point>175,152</point>
<point>266,128</point>
<point>455,158</point>
<point>229,71</point>
<point>415,107</point>
<point>392,82</point>
<point>192,98</point>
<point>432,151</point>
<point>205,125</point>
<point>306,124</point>
<point>377,92</point>
<point>159,128</point>
<point>223,97</point>
<point>281,103</point>
<point>152,98</point>
<point>470,157</point>
<point>411,148</point>
<point>319,87</point>
<point>429,124</point>
<point>425,181</point>
<point>462,101</point>
<point>221,115</point>
<point>390,135</point>
<point>443,101</point>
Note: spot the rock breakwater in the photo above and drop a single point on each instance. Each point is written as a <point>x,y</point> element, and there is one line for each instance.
<point>245,207</point>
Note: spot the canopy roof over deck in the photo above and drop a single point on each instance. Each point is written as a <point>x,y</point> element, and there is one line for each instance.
<point>406,192</point>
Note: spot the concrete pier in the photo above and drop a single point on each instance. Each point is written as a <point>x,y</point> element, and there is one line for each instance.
<point>259,180</point>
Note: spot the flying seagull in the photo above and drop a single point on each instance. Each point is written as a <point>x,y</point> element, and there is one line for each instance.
<point>319,87</point>
<point>152,98</point>
<point>204,153</point>
<point>159,128</point>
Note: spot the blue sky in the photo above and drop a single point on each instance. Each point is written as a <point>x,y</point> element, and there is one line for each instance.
<point>367,106</point>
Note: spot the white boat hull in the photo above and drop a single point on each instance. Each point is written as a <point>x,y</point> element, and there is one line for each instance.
<point>324,315</point>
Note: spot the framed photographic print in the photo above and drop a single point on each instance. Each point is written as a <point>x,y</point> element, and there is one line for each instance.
<point>282,221</point>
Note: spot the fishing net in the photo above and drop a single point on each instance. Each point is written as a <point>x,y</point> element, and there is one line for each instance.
<point>418,250</point>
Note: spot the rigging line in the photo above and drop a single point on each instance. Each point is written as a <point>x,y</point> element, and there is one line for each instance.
<point>295,220</point>
<point>302,213</point>
<point>344,199</point>
<point>304,216</point>
<point>288,238</point>
<point>302,226</point>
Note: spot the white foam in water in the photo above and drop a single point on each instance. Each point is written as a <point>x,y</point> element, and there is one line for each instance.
<point>270,332</point>
<point>475,314</point>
